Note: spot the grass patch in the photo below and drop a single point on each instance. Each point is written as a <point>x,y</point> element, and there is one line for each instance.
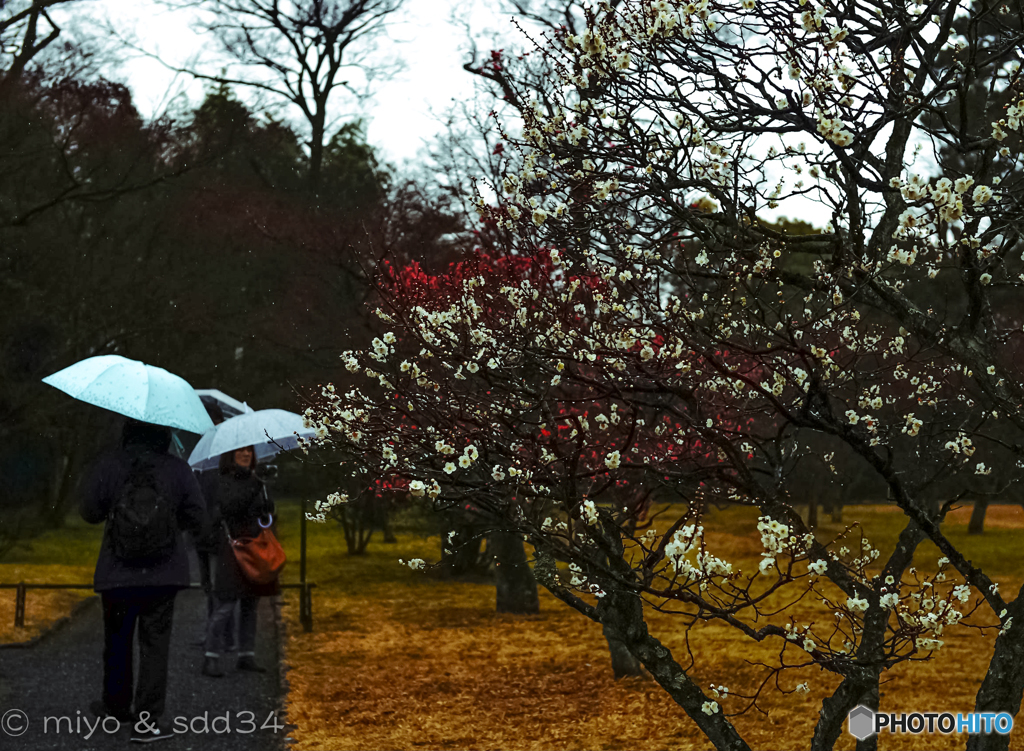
<point>400,660</point>
<point>60,556</point>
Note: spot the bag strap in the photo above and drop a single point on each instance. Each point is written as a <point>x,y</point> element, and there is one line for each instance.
<point>134,465</point>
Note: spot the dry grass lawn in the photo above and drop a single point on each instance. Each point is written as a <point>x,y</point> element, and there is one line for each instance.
<point>42,606</point>
<point>400,660</point>
<point>66,555</point>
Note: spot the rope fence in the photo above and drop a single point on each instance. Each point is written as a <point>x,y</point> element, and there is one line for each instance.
<point>21,590</point>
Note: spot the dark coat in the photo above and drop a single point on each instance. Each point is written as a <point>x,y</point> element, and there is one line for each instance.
<point>209,541</point>
<point>176,482</point>
<point>241,501</point>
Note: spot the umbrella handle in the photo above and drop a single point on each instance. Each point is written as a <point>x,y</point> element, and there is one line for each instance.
<point>264,526</point>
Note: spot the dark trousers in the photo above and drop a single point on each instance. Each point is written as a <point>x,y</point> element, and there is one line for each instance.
<point>218,631</point>
<point>152,611</point>
<point>207,565</point>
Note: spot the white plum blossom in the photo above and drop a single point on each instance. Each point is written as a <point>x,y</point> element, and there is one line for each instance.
<point>857,604</point>
<point>818,567</point>
<point>709,708</point>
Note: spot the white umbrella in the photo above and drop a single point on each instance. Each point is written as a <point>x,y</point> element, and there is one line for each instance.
<point>269,430</point>
<point>134,389</point>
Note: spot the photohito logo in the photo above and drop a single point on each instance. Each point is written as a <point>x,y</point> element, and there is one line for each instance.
<point>864,722</point>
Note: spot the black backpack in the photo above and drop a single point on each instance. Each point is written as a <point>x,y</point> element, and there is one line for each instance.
<point>143,525</point>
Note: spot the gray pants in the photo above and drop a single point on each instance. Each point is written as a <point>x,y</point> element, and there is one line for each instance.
<point>218,626</point>
<point>207,565</point>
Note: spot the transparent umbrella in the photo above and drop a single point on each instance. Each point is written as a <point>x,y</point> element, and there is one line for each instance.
<point>269,430</point>
<point>229,406</point>
<point>219,406</point>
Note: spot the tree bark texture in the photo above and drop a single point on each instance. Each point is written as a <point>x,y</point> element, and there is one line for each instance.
<point>621,613</point>
<point>1003,685</point>
<point>460,549</point>
<point>622,617</point>
<point>860,682</point>
<point>623,662</point>
<point>516,587</point>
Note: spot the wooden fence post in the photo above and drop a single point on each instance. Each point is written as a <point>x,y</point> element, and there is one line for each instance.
<point>19,606</point>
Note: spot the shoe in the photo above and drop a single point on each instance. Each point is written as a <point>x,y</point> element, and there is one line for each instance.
<point>99,708</point>
<point>248,663</point>
<point>211,668</point>
<point>154,732</point>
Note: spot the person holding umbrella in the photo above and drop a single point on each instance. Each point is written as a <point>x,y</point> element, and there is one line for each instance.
<point>208,544</point>
<point>146,498</point>
<point>243,510</point>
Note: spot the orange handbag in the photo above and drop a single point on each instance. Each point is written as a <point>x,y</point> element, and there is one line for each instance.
<point>261,558</point>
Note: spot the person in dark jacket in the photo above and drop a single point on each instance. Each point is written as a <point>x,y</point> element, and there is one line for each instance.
<point>140,595</point>
<point>244,507</point>
<point>207,549</point>
<point>209,543</point>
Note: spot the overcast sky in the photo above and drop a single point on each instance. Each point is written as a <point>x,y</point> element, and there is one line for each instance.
<point>407,107</point>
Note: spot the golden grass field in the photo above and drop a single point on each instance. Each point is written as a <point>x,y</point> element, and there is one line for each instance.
<point>42,607</point>
<point>399,660</point>
<point>402,660</point>
<point>65,556</point>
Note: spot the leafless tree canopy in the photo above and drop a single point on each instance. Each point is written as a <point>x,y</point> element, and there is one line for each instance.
<point>301,52</point>
<point>26,29</point>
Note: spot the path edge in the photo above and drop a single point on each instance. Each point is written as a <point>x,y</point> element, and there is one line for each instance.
<point>283,687</point>
<point>56,626</point>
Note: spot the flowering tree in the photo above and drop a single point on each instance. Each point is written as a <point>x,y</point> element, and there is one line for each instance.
<point>644,331</point>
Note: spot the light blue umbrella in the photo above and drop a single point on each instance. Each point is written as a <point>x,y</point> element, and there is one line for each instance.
<point>269,430</point>
<point>134,389</point>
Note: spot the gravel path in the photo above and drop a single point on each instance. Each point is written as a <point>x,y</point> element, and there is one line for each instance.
<point>61,675</point>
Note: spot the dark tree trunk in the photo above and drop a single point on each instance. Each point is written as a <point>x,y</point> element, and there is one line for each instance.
<point>623,662</point>
<point>357,519</point>
<point>389,533</point>
<point>460,549</point>
<point>977,524</point>
<point>382,518</point>
<point>870,700</point>
<point>837,513</point>
<point>855,689</point>
<point>1003,686</point>
<point>516,587</point>
<point>622,616</point>
<point>860,684</point>
<point>66,491</point>
<point>316,149</point>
